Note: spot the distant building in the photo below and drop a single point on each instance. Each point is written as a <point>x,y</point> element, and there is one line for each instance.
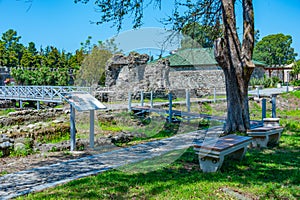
<point>282,72</point>
<point>198,68</point>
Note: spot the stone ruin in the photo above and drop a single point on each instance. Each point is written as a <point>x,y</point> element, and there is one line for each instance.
<point>5,144</point>
<point>133,74</point>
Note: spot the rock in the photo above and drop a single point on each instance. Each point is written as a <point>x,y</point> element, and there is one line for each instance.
<point>58,121</point>
<point>5,145</point>
<point>122,137</point>
<point>19,147</point>
<point>4,138</point>
<point>31,126</point>
<point>103,141</point>
<point>26,141</point>
<point>105,117</point>
<point>58,110</point>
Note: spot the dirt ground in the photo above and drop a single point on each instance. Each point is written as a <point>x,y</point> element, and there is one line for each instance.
<point>15,164</point>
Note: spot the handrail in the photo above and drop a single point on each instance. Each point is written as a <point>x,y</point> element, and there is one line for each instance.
<point>38,93</point>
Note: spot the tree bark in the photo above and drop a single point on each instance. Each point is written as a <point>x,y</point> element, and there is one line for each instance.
<point>236,61</point>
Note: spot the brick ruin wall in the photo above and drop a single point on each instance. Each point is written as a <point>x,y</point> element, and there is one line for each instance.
<point>134,73</point>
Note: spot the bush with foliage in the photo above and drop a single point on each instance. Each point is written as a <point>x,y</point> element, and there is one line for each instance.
<point>266,82</point>
<point>296,83</point>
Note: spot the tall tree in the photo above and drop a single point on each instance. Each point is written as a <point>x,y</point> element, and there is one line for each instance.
<point>93,66</point>
<point>199,36</point>
<point>31,48</point>
<point>296,70</point>
<point>14,50</point>
<point>275,50</point>
<point>233,56</point>
<point>10,38</point>
<point>3,52</point>
<point>87,45</point>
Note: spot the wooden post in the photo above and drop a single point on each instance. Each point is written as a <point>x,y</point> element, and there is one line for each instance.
<point>264,108</point>
<point>142,98</point>
<point>38,105</point>
<point>92,114</point>
<point>273,106</point>
<point>188,100</point>
<point>257,90</point>
<point>21,103</point>
<point>170,107</point>
<point>151,99</point>
<point>129,101</point>
<point>72,129</point>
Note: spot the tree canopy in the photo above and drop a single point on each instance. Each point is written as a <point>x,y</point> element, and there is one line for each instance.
<point>296,70</point>
<point>30,66</point>
<point>275,50</point>
<point>93,65</point>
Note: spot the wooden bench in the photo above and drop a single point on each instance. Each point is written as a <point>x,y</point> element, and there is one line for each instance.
<point>264,136</point>
<point>211,151</point>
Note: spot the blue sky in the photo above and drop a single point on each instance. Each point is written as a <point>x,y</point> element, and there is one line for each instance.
<point>64,24</point>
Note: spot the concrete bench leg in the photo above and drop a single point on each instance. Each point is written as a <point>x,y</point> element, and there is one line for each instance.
<point>209,164</point>
<point>238,154</point>
<point>274,138</point>
<point>260,141</point>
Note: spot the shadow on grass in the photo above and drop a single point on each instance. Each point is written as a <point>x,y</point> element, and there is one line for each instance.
<point>269,173</point>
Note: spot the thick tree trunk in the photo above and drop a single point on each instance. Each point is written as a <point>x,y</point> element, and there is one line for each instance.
<point>235,60</point>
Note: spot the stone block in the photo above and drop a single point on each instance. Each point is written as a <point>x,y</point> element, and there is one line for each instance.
<point>269,122</point>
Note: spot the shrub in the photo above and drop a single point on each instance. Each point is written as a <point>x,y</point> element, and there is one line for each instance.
<point>296,83</point>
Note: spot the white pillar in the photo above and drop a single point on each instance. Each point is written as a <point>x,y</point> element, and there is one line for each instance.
<point>142,98</point>
<point>188,100</point>
<point>151,99</point>
<point>72,129</point>
<point>92,114</point>
<point>129,101</point>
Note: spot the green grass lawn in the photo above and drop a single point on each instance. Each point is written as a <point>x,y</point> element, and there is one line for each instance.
<point>271,173</point>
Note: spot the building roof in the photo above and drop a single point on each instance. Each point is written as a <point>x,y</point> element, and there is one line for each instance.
<point>197,57</point>
<point>188,57</point>
<point>259,63</point>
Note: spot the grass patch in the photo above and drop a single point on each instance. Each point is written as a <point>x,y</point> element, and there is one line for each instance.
<point>271,173</point>
<point>55,134</point>
<point>6,111</point>
<point>268,174</point>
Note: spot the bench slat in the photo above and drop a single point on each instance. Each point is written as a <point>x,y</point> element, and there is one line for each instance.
<point>223,143</point>
<point>264,129</point>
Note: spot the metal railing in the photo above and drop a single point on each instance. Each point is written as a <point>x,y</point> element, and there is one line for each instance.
<point>38,93</point>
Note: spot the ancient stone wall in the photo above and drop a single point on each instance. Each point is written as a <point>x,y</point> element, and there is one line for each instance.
<point>204,77</point>
<point>131,73</point>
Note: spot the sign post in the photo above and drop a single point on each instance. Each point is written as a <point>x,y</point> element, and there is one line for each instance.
<point>92,114</point>
<point>81,101</point>
<point>72,128</point>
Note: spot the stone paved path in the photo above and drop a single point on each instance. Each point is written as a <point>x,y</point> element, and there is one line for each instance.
<point>37,179</point>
